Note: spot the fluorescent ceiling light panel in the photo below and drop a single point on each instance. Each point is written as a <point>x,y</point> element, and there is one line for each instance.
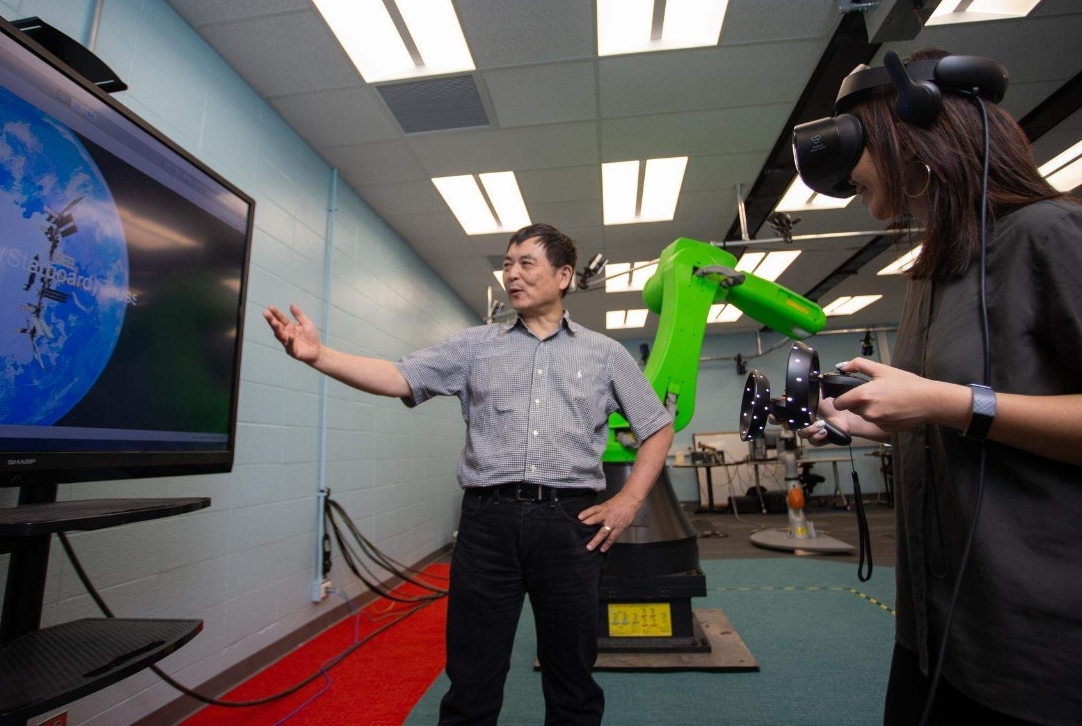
<point>767,266</point>
<point>370,38</point>
<point>849,304</point>
<point>749,261</point>
<point>972,11</point>
<point>436,32</point>
<point>775,264</point>
<point>799,197</point>
<point>661,189</point>
<point>467,203</point>
<point>471,209</point>
<point>503,192</point>
<point>618,277</point>
<point>642,272</point>
<point>693,23</point>
<point>628,276</point>
<point>723,314</point>
<point>623,26</point>
<point>368,35</point>
<point>1064,171</point>
<point>619,191</point>
<point>627,26</point>
<point>903,263</point>
<point>622,319</point>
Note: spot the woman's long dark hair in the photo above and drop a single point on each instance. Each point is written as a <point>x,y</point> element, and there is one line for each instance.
<point>952,146</point>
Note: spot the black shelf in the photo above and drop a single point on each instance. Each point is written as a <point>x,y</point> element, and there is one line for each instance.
<point>45,669</point>
<point>28,520</point>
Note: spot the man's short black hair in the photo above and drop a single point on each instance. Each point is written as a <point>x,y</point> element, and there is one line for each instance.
<point>559,248</point>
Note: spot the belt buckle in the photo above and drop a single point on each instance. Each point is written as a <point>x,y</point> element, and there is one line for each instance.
<point>529,492</point>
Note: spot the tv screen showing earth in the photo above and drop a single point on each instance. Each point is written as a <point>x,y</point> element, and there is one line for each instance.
<point>63,267</point>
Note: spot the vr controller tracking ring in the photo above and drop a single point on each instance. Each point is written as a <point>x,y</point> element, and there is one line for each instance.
<point>799,403</point>
<point>754,407</point>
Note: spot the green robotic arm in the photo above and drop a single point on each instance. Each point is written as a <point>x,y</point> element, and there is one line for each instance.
<point>691,276</point>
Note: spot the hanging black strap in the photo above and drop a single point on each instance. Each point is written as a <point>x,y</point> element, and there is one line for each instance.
<point>862,529</point>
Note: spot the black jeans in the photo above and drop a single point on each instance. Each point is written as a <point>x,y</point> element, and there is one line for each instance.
<point>505,550</point>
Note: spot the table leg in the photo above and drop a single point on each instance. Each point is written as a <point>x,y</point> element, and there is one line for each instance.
<point>710,488</point>
<point>759,489</point>
<point>838,486</point>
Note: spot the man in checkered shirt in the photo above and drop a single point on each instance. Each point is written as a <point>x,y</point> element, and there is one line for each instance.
<point>536,395</point>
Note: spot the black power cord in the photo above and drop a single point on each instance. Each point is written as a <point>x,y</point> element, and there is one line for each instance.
<point>987,376</point>
<point>386,563</point>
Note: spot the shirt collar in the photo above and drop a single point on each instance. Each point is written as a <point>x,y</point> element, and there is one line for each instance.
<point>565,322</point>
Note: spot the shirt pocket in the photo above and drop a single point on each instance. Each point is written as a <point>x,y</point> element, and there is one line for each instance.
<point>589,398</point>
<point>495,385</point>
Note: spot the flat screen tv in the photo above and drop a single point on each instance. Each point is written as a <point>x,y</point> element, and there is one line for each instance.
<point>123,272</point>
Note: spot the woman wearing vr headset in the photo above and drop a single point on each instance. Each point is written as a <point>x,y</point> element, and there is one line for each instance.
<point>983,401</point>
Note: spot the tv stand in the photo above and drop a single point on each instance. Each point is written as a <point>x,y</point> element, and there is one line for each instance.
<point>44,668</point>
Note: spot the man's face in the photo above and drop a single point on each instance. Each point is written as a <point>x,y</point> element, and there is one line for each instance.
<point>530,280</point>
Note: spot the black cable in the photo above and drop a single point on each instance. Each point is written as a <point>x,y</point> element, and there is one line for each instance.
<point>93,592</point>
<point>864,538</point>
<point>389,564</point>
<point>987,379</point>
<point>353,562</point>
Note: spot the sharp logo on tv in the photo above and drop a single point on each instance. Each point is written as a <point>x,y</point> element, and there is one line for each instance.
<point>21,462</point>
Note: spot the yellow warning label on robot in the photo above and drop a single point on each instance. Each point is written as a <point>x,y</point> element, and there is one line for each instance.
<point>640,620</point>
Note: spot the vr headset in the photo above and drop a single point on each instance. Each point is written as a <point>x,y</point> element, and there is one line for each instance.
<point>826,150</point>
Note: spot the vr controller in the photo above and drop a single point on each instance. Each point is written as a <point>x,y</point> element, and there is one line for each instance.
<point>799,403</point>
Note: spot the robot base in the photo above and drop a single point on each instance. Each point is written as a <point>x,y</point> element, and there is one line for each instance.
<point>650,576</point>
<point>779,539</point>
<point>651,614</point>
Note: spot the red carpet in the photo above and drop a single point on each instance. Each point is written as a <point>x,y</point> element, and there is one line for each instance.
<point>377,684</point>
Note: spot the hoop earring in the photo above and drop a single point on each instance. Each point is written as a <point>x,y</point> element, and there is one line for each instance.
<point>927,183</point>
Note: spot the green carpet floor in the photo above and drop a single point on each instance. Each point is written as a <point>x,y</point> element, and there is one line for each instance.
<point>822,640</point>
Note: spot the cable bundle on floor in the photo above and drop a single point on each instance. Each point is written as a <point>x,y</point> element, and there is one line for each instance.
<point>338,520</point>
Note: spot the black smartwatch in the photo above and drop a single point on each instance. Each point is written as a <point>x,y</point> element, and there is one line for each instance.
<point>984,411</point>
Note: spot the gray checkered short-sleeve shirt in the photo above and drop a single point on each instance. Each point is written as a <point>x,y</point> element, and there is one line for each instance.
<point>536,410</point>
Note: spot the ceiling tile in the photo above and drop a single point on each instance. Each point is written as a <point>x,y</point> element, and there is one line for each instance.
<point>543,94</point>
<point>522,32</point>
<point>283,54</point>
<point>704,78</point>
<point>469,152</point>
<point>318,116</point>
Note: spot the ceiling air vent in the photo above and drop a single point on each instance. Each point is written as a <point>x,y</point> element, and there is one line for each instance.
<point>435,104</point>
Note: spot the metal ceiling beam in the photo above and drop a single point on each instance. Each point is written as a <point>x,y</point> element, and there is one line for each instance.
<point>1062,103</point>
<point>848,47</point>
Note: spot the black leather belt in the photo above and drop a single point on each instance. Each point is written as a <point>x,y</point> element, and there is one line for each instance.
<point>523,492</point>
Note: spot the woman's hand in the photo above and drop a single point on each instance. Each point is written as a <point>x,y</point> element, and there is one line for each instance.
<point>845,421</point>
<point>896,400</point>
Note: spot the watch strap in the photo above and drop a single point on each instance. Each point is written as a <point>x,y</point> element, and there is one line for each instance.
<point>983,412</point>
